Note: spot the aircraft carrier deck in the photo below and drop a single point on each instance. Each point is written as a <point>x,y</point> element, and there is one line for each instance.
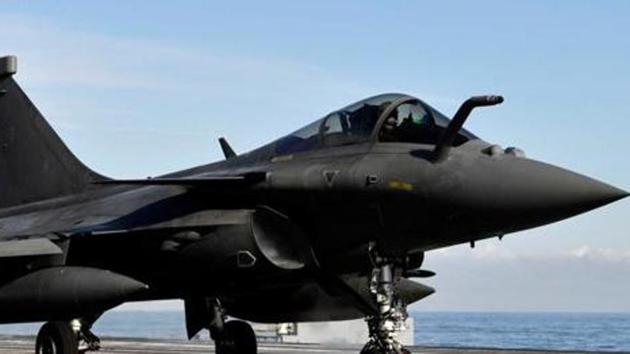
<point>25,345</point>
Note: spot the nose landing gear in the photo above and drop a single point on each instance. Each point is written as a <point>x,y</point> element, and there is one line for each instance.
<point>392,311</point>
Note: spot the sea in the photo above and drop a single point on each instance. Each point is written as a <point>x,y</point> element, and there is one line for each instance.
<point>601,332</point>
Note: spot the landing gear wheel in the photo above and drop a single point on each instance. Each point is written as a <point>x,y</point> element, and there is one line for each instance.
<point>56,338</point>
<point>237,337</point>
<point>373,348</point>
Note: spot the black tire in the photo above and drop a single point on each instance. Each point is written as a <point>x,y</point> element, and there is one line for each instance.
<point>374,349</point>
<point>56,338</point>
<point>238,337</point>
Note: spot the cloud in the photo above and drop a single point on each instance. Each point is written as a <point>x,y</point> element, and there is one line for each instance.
<point>55,54</point>
<point>495,251</point>
<point>494,276</point>
<point>586,252</point>
<point>60,59</point>
<point>485,250</point>
<point>116,99</point>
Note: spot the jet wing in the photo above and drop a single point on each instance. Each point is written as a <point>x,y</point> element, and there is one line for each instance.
<point>28,248</point>
<point>124,211</point>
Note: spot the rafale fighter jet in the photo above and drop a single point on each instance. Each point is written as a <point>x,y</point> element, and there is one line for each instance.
<point>328,223</point>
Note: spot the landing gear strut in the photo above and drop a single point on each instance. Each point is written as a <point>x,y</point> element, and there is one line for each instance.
<point>231,337</point>
<point>392,311</point>
<point>72,337</point>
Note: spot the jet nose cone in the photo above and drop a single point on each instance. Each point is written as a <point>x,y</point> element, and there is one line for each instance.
<point>549,193</point>
<point>565,188</point>
<point>593,193</point>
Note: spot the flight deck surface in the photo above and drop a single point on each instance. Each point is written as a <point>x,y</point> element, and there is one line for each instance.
<point>25,345</point>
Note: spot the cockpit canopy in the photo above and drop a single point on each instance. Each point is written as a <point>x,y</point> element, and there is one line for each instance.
<point>387,118</point>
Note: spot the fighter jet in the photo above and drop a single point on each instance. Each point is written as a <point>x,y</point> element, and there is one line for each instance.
<point>331,222</point>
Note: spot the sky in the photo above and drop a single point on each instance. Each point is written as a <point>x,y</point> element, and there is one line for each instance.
<point>142,88</point>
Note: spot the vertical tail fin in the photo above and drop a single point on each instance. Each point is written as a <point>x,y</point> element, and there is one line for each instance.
<point>34,162</point>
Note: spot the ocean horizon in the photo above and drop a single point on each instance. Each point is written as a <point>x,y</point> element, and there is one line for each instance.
<point>583,331</point>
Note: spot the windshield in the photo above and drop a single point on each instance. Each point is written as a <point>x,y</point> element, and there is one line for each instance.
<point>349,125</point>
<point>414,122</point>
<point>441,121</point>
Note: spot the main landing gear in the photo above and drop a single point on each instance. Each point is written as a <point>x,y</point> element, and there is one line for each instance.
<point>392,311</point>
<point>72,337</point>
<point>231,337</point>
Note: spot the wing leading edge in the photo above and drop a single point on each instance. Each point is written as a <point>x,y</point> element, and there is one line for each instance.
<point>204,182</point>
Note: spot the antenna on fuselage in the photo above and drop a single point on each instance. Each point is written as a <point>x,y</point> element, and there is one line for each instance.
<point>227,149</point>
